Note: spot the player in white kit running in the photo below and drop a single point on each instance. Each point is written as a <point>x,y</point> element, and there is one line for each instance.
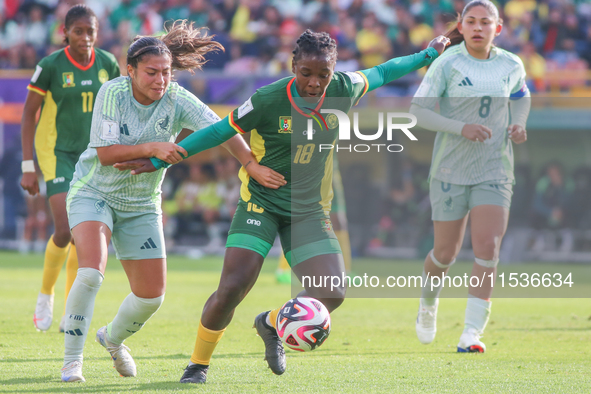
<point>484,103</point>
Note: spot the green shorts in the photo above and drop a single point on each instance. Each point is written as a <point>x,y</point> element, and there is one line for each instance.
<point>58,170</point>
<point>255,229</point>
<point>135,235</point>
<point>452,202</point>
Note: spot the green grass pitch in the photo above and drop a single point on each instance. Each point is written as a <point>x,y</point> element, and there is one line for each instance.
<point>533,345</point>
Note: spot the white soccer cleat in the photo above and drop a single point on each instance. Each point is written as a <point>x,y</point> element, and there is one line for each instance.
<point>426,325</point>
<point>470,342</point>
<point>43,312</point>
<point>63,324</point>
<point>72,372</point>
<point>122,360</point>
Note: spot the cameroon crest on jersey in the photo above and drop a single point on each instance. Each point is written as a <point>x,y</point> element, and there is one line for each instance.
<point>68,80</point>
<point>285,124</point>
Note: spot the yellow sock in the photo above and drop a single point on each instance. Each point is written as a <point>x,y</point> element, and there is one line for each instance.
<point>54,260</point>
<point>283,264</point>
<point>71,270</point>
<point>205,344</point>
<point>273,316</point>
<point>343,237</point>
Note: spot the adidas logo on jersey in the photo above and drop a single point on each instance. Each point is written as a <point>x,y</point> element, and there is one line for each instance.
<point>466,82</point>
<point>149,244</point>
<point>123,130</point>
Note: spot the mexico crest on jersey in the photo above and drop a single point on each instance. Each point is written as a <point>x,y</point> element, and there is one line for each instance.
<point>285,124</point>
<point>163,125</point>
<point>103,76</point>
<point>68,80</point>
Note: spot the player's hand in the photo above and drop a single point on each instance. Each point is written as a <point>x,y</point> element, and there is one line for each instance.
<point>30,183</point>
<point>168,152</point>
<point>265,176</point>
<point>517,133</point>
<point>476,132</point>
<point>138,166</point>
<point>439,43</point>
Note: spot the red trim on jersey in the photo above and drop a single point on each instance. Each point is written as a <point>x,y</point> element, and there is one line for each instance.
<point>75,63</point>
<point>234,125</point>
<point>37,90</point>
<point>293,104</point>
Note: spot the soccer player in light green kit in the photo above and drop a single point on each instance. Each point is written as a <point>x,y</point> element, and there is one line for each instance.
<point>64,85</point>
<point>276,115</point>
<point>134,117</point>
<point>484,107</point>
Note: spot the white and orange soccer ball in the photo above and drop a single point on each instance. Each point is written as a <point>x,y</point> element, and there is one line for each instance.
<point>303,324</point>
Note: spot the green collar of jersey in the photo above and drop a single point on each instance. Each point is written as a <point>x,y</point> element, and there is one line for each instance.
<point>493,53</point>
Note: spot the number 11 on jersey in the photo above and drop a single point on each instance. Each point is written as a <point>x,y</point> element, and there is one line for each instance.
<point>87,98</point>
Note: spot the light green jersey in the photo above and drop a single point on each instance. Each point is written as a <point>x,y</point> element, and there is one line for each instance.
<point>473,91</point>
<point>118,119</point>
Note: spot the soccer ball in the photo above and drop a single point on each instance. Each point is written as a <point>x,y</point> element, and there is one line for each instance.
<point>303,324</point>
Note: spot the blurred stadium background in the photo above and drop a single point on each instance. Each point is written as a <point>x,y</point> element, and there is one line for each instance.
<point>551,213</point>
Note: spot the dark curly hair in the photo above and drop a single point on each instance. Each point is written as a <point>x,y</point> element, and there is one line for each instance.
<point>311,43</point>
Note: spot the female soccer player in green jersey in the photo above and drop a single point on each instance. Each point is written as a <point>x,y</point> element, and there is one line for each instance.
<point>476,85</point>
<point>64,85</point>
<point>134,117</point>
<point>276,115</point>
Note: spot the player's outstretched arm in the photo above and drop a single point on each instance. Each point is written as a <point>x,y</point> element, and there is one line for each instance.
<point>166,151</point>
<point>398,67</point>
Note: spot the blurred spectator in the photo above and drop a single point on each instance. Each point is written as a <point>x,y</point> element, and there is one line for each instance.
<point>199,203</point>
<point>550,206</point>
<point>580,207</point>
<point>372,43</point>
<point>367,32</point>
<point>535,67</point>
<point>37,31</point>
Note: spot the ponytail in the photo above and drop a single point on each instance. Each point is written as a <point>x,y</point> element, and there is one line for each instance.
<point>185,44</point>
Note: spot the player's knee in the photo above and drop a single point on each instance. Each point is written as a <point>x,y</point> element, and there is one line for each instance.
<point>150,305</point>
<point>487,249</point>
<point>62,236</point>
<point>443,256</point>
<point>230,293</point>
<point>90,277</point>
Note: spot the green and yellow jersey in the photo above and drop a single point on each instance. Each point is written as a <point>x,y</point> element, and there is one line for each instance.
<point>69,91</point>
<point>277,119</point>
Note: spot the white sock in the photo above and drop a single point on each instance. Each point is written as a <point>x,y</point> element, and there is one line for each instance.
<point>79,308</point>
<point>477,313</point>
<point>133,313</point>
<point>429,296</point>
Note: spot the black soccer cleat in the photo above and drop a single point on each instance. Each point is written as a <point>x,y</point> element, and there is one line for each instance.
<point>274,352</point>
<point>196,373</point>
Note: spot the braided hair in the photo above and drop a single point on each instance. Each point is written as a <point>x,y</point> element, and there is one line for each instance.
<point>311,43</point>
<point>185,44</point>
<point>77,12</point>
